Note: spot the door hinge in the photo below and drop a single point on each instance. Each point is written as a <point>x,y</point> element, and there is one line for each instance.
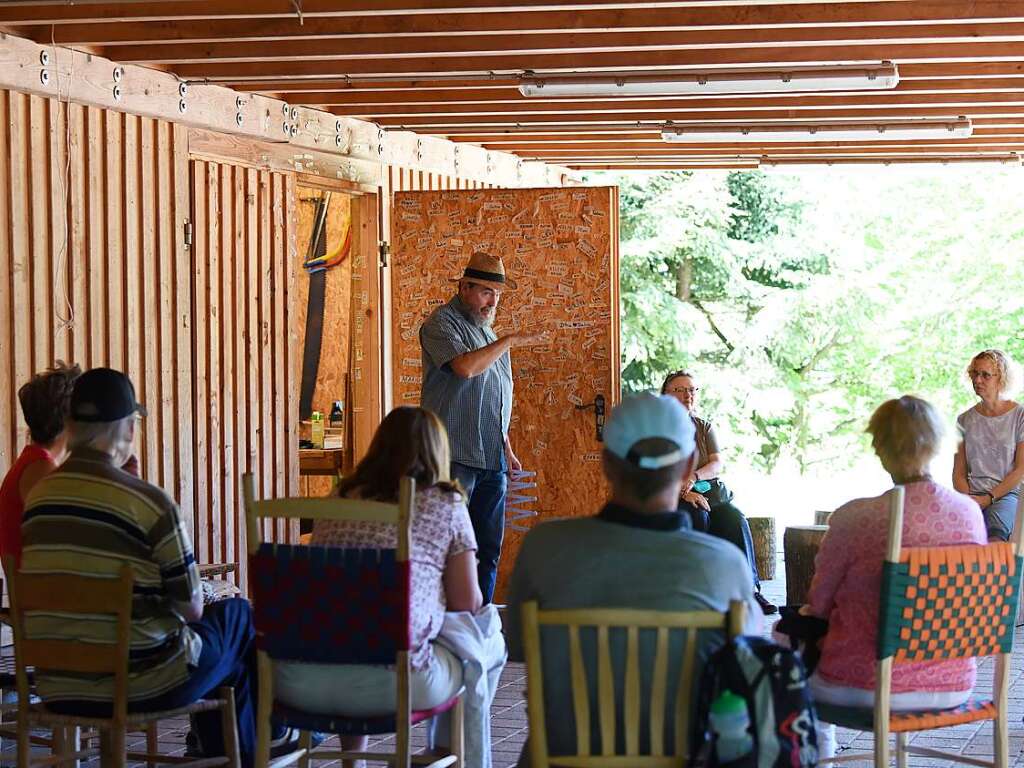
<point>384,248</point>
<point>188,234</point>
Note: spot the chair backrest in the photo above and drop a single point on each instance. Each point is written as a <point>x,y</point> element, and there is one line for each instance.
<point>947,602</point>
<point>330,604</point>
<point>605,622</point>
<point>73,598</point>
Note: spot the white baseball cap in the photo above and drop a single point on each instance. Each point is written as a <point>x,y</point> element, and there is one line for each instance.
<point>643,416</point>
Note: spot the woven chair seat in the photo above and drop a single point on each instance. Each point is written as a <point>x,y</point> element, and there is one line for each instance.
<point>351,726</point>
<point>863,718</point>
<point>41,714</point>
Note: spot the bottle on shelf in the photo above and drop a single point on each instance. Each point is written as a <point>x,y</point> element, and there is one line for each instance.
<point>317,429</point>
<point>337,415</point>
<point>730,723</point>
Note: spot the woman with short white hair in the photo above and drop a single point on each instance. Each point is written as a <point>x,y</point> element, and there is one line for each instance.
<point>989,463</point>
<point>906,434</point>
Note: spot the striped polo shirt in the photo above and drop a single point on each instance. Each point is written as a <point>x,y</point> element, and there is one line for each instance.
<point>90,518</point>
<point>476,411</point>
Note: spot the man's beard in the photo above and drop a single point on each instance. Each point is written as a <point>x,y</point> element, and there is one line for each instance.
<point>480,320</point>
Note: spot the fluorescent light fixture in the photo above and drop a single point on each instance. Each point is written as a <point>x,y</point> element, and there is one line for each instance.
<point>886,130</point>
<point>841,77</point>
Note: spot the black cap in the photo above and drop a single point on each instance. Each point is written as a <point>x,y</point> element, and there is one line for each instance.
<point>103,395</point>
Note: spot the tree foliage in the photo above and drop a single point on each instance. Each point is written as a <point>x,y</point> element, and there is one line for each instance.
<point>804,300</point>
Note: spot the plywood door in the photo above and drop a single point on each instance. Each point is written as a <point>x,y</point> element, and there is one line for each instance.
<point>560,246</point>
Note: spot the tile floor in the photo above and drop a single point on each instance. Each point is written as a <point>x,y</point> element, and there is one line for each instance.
<point>508,728</point>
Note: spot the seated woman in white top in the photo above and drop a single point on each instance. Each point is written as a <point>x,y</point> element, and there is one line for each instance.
<point>409,442</point>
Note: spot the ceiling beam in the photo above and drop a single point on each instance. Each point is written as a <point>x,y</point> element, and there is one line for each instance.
<point>953,104</point>
<point>274,19</point>
<point>519,44</point>
<point>510,95</point>
<point>338,67</point>
<point>626,143</point>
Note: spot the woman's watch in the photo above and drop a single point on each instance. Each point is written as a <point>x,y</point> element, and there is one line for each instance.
<point>991,498</point>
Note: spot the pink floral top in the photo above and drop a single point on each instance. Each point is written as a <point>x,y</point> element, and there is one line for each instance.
<point>440,529</point>
<point>848,577</point>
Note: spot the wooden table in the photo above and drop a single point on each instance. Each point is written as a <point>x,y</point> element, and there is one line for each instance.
<point>800,546</point>
<point>316,461</point>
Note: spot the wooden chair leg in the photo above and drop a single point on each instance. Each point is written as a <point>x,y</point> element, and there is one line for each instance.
<point>24,747</point>
<point>72,743</point>
<point>1000,741</point>
<point>112,748</point>
<point>901,750</point>
<point>457,732</point>
<point>306,745</point>
<point>152,744</point>
<point>882,756</point>
<point>263,710</point>
<point>229,726</point>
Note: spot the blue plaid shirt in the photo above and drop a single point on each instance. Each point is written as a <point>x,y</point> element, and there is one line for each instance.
<point>476,411</point>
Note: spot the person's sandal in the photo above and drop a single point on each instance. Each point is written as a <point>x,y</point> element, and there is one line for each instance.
<point>767,608</point>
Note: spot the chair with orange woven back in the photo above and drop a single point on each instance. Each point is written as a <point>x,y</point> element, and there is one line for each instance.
<point>938,603</point>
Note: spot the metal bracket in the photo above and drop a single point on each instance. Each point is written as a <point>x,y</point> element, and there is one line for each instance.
<point>188,234</point>
<point>384,249</point>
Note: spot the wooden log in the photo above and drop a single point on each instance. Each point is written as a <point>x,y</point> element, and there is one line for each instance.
<point>762,531</point>
<point>800,546</point>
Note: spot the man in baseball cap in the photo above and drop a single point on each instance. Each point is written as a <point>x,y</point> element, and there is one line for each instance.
<point>90,516</point>
<point>637,552</point>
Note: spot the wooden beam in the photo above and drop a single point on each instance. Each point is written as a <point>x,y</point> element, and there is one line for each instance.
<point>738,150</point>
<point>386,17</point>
<point>992,143</point>
<point>490,96</point>
<point>91,80</point>
<point>217,51</point>
<point>867,51</point>
<point>954,103</point>
<point>566,121</point>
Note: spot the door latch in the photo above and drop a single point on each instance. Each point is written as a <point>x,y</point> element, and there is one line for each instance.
<point>599,409</point>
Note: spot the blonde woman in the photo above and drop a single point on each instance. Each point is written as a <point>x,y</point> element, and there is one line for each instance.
<point>989,463</point>
<point>906,435</point>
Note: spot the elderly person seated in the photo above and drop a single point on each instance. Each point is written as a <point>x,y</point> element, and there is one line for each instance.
<point>91,517</point>
<point>906,435</point>
<point>703,495</point>
<point>410,442</point>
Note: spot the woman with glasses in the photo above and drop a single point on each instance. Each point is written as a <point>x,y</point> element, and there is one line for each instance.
<point>704,495</point>
<point>989,463</point>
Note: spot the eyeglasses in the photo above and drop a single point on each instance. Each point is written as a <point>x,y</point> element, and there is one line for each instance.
<point>983,375</point>
<point>691,390</point>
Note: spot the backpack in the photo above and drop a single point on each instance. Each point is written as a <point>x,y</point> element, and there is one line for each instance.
<point>773,682</point>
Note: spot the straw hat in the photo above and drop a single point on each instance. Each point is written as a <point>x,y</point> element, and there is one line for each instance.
<point>488,270</point>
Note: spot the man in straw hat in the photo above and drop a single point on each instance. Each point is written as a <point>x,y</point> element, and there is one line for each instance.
<point>467,381</point>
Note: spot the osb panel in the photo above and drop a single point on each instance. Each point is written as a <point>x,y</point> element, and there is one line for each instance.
<point>336,344</point>
<point>557,244</point>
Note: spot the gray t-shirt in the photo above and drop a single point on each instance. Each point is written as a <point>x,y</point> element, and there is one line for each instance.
<point>990,443</point>
<point>595,563</point>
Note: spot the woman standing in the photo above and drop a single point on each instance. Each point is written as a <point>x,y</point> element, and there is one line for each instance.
<point>704,495</point>
<point>989,463</point>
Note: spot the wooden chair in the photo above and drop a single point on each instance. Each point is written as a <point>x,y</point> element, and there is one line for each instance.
<point>605,621</point>
<point>305,611</point>
<point>89,597</point>
<point>940,603</point>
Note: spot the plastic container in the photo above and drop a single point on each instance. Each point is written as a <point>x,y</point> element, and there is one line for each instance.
<point>730,723</point>
<point>317,429</point>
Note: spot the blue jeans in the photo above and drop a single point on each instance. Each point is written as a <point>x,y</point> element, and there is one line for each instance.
<point>228,659</point>
<point>485,489</point>
<point>1000,515</point>
<point>725,521</point>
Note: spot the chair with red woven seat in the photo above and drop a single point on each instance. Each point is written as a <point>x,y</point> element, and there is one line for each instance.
<point>332,605</point>
<point>940,603</point>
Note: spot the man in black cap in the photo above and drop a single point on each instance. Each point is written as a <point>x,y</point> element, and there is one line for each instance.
<point>90,517</point>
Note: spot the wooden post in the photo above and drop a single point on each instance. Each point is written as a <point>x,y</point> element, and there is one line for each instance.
<point>800,546</point>
<point>762,531</point>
